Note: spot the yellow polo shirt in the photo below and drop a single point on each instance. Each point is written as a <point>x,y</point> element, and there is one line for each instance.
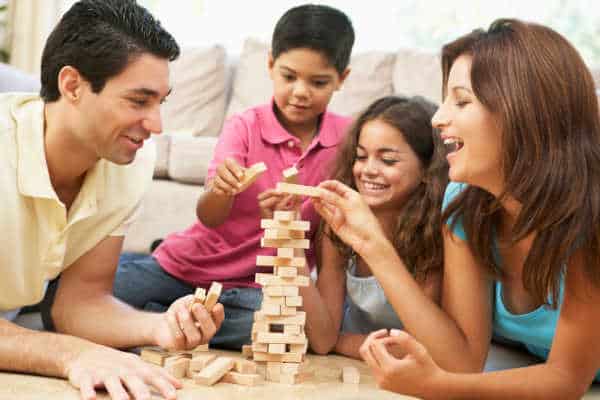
<point>39,237</point>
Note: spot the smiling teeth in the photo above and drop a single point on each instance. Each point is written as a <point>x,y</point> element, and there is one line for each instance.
<point>373,186</point>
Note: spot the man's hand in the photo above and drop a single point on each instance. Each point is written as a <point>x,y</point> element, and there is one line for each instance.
<point>123,375</point>
<point>180,329</point>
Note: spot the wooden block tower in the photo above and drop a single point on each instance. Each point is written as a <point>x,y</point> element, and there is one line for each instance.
<point>278,336</point>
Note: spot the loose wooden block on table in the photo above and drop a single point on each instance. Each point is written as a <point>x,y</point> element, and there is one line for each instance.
<point>350,375</point>
<point>154,355</point>
<point>289,225</point>
<point>244,366</point>
<point>251,174</point>
<point>214,371</point>
<point>299,190</point>
<point>199,362</point>
<point>177,366</point>
<point>247,350</point>
<point>242,379</point>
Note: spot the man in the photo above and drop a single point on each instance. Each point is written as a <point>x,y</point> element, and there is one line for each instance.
<point>71,184</point>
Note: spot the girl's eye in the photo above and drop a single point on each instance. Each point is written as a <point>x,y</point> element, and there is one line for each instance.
<point>360,158</point>
<point>461,103</point>
<point>389,161</point>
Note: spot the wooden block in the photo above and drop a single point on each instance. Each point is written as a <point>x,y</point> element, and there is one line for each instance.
<point>213,296</point>
<point>199,297</point>
<point>300,190</point>
<point>270,309</point>
<point>177,366</point>
<point>291,330</point>
<point>283,234</point>
<point>285,253</point>
<point>290,175</point>
<point>260,326</point>
<point>350,375</point>
<point>298,319</point>
<point>242,379</point>
<point>294,368</point>
<point>277,348</point>
<point>270,279</point>
<point>214,371</point>
<point>295,378</point>
<point>281,290</point>
<point>285,310</point>
<point>298,348</point>
<point>268,337</point>
<point>287,357</point>
<point>199,362</point>
<point>247,350</point>
<point>286,272</point>
<point>293,301</point>
<point>296,225</point>
<point>269,261</point>
<point>203,348</point>
<point>251,174</point>
<point>244,366</point>
<point>154,355</point>
<point>285,216</point>
<point>276,300</point>
<point>260,347</point>
<point>293,243</point>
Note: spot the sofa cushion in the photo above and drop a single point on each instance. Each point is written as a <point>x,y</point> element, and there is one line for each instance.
<point>189,158</point>
<point>197,102</point>
<point>369,79</point>
<point>418,73</point>
<point>14,80</point>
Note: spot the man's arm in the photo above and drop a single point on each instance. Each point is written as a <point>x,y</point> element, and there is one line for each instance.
<point>84,306</point>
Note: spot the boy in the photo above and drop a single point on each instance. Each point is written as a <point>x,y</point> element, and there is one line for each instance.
<point>308,62</point>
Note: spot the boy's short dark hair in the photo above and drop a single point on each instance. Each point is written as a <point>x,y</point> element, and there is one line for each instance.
<point>99,38</point>
<point>317,27</point>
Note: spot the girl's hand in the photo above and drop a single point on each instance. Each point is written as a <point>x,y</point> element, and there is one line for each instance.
<point>401,364</point>
<point>348,215</point>
<point>271,200</point>
<point>227,180</point>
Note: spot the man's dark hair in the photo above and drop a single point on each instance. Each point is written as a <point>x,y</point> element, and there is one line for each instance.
<point>317,27</point>
<point>99,38</point>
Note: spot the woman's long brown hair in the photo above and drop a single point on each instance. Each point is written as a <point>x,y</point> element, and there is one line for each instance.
<point>417,235</point>
<point>542,96</point>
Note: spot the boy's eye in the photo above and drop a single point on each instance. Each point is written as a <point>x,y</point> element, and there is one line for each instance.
<point>320,83</point>
<point>288,77</point>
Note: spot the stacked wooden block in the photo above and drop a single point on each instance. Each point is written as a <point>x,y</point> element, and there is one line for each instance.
<point>278,336</point>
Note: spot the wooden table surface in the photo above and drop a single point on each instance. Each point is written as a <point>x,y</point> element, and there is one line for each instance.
<point>326,384</point>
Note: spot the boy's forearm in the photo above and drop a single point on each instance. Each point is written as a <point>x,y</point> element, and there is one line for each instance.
<point>213,209</point>
<point>24,350</point>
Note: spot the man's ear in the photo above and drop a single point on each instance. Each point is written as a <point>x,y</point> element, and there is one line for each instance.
<point>343,77</point>
<point>70,83</point>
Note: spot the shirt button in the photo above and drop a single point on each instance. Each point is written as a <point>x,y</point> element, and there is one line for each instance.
<point>291,143</point>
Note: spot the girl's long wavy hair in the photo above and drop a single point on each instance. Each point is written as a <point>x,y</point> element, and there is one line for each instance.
<point>417,235</point>
<point>541,94</point>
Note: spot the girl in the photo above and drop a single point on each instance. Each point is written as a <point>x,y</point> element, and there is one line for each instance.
<point>394,160</point>
<point>522,243</point>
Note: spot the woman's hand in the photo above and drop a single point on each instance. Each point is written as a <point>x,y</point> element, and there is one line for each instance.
<point>401,364</point>
<point>348,215</point>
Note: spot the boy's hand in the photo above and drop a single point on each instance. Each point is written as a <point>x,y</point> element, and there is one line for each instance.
<point>181,329</point>
<point>228,178</point>
<point>271,200</point>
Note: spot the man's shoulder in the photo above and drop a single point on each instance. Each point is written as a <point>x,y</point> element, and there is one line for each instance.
<point>8,103</point>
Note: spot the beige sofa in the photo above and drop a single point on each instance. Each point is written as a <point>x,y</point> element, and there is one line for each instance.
<point>207,88</point>
<point>210,85</point>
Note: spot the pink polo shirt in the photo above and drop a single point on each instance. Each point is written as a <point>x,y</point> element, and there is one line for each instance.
<point>227,253</point>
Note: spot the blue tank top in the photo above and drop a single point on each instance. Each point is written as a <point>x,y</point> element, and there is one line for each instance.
<point>535,329</point>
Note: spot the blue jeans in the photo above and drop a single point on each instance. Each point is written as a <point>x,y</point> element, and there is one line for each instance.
<point>141,282</point>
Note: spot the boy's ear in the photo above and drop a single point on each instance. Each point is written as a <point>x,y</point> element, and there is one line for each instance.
<point>70,83</point>
<point>343,77</point>
<point>270,61</point>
